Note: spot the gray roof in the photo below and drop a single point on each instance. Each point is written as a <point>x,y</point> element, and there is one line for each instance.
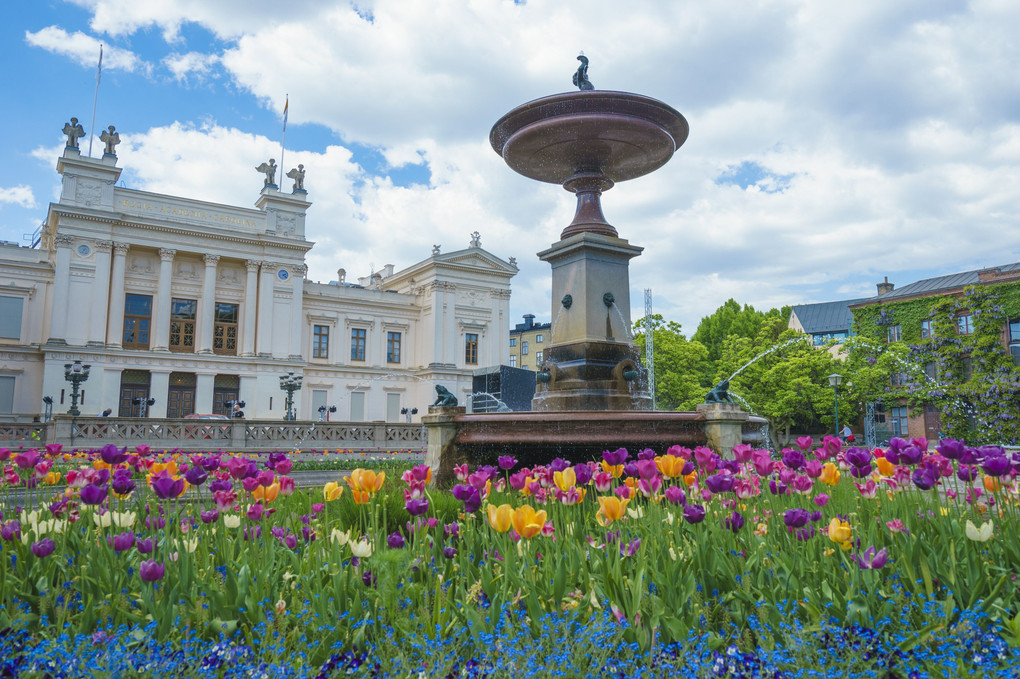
<point>949,282</point>
<point>825,317</point>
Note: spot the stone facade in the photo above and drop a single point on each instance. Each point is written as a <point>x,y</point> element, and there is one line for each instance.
<point>194,303</point>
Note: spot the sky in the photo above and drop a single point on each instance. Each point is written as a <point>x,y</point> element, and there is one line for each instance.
<point>831,144</point>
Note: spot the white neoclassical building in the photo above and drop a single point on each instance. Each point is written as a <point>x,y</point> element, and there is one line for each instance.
<point>194,304</point>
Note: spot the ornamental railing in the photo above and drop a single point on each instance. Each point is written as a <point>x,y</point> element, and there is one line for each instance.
<point>192,434</point>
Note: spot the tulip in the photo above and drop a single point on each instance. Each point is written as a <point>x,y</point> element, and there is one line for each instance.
<point>611,509</point>
<point>27,459</point>
<point>796,517</point>
<point>565,479</point>
<point>461,472</point>
<point>210,516</point>
<point>122,485</point>
<point>840,531</point>
<point>616,457</point>
<point>340,538</point>
<point>896,526</point>
<point>224,499</point>
<point>196,475</point>
<point>10,531</point>
<point>266,493</point>
<point>991,484</point>
<point>360,497</point>
<point>869,489</point>
<point>675,495</point>
<point>93,495</point>
<point>112,455</point>
<point>925,477</point>
<point>43,548</point>
<point>805,443</point>
<point>500,518</point>
<point>417,506</point>
<point>871,560</point>
<point>885,467</point>
<point>122,542</point>
<point>650,487</point>
<point>256,512</point>
<point>527,522</point>
<point>145,546</point>
<point>571,496</point>
<point>166,487</point>
<point>151,570</point>
<point>219,485</point>
<point>813,468</point>
<point>449,552</point>
<point>951,448</point>
<point>283,466</point>
<point>996,465</point>
<point>470,496</point>
<point>603,482</point>
<point>830,474</point>
<point>506,462</point>
<point>361,548</point>
<point>983,534</point>
<point>734,522</point>
<point>366,480</point>
<point>670,466</point>
<point>332,491</point>
<point>694,513</point>
<point>793,459</point>
<point>395,540</point>
<point>582,473</point>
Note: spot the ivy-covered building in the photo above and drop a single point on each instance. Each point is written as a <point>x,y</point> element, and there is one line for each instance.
<point>951,345</point>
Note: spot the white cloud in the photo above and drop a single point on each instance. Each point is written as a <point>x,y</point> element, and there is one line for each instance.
<point>18,195</point>
<point>192,63</point>
<point>84,49</point>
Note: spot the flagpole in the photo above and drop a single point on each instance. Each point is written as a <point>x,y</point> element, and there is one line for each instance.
<point>283,142</point>
<point>95,98</point>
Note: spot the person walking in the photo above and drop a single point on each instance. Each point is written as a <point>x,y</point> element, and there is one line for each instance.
<point>847,434</point>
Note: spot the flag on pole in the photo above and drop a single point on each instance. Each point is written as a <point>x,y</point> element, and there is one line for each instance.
<point>95,98</point>
<point>99,68</point>
<point>286,105</point>
<point>283,142</point>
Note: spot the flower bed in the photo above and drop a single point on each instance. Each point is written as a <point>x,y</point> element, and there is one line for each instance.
<point>825,562</point>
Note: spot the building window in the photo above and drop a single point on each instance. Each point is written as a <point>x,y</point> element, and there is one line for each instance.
<point>927,330</point>
<point>513,361</point>
<point>524,347</point>
<point>823,338</point>
<point>963,325</point>
<point>966,368</point>
<point>358,338</point>
<point>513,341</point>
<point>538,358</point>
<point>898,417</point>
<point>10,317</point>
<point>320,341</point>
<point>929,370</point>
<point>224,339</point>
<point>182,325</point>
<point>898,379</point>
<point>1014,339</point>
<point>538,338</point>
<point>137,321</point>
<point>471,348</point>
<point>393,347</point>
<point>894,333</point>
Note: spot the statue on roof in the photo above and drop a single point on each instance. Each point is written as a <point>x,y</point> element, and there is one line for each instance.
<point>476,239</point>
<point>74,131</point>
<point>268,169</point>
<point>581,75</point>
<point>111,138</point>
<point>298,175</point>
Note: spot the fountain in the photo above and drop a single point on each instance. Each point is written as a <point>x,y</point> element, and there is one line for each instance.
<point>592,391</point>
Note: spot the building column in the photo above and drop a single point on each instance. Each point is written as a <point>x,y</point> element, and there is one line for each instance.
<point>204,383</point>
<point>115,317</point>
<point>264,336</point>
<point>297,316</point>
<point>207,315</point>
<point>161,312</point>
<point>159,389</point>
<point>247,391</point>
<point>250,295</point>
<point>61,290</point>
<point>453,348</point>
<point>100,294</point>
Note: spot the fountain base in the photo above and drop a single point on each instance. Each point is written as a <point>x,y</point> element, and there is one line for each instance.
<point>592,376</point>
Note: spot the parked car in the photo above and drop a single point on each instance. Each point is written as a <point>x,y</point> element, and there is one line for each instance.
<point>208,431</point>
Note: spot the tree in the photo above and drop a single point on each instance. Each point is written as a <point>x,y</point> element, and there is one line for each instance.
<point>732,320</point>
<point>681,366</point>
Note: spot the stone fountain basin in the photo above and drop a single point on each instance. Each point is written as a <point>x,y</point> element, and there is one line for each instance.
<point>617,134</point>
<point>538,437</point>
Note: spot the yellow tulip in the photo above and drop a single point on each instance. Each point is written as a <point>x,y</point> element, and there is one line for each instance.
<point>527,522</point>
<point>840,531</point>
<point>611,508</point>
<point>366,480</point>
<point>566,479</point>
<point>830,474</point>
<point>670,466</point>
<point>266,493</point>
<point>332,491</point>
<point>51,478</point>
<point>614,470</point>
<point>885,467</point>
<point>690,479</point>
<point>500,518</point>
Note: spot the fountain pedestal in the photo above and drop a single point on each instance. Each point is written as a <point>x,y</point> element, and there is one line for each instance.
<point>724,425</point>
<point>441,453</point>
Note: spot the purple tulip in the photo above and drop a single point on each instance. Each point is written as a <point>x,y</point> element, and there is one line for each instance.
<point>858,457</point>
<point>395,540</point>
<point>151,570</point>
<point>43,548</point>
<point>210,516</point>
<point>507,462</point>
<point>694,513</point>
<point>646,469</point>
<point>166,488</point>
<point>449,552</point>
<point>821,499</point>
<point>996,465</point>
<point>813,468</point>
<point>615,457</point>
<point>925,477</point>
<point>196,475</point>
<point>816,516</point>
<point>154,522</point>
<point>582,472</point>
<point>558,464</point>
<point>734,522</point>
<point>911,455</point>
<point>210,464</point>
<point>111,454</point>
<point>870,559</point>
<point>369,578</point>
<point>451,530</point>
<point>777,487</point>
<point>632,547</point>
<point>256,512</point>
<point>308,533</point>
<point>719,483</point>
<point>796,517</point>
<point>794,459</point>
<point>951,448</point>
<point>675,495</point>
<point>220,485</point>
<point>145,546</point>
<point>122,542</point>
<point>290,541</point>
<point>10,531</point>
<point>469,495</point>
<point>966,473</point>
<point>417,506</point>
<point>860,472</point>
<point>27,459</point>
<point>93,495</point>
<point>630,468</point>
<point>622,492</point>
<point>122,483</point>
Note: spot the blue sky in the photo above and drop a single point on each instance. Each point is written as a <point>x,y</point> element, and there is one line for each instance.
<point>830,146</point>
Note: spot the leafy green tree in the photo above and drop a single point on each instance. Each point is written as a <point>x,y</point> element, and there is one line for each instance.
<point>789,387</point>
<point>731,319</point>
<point>681,366</point>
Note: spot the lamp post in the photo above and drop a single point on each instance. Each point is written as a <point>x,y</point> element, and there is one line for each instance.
<point>834,382</point>
<point>290,383</point>
<point>408,412</point>
<point>75,373</point>
<point>47,408</point>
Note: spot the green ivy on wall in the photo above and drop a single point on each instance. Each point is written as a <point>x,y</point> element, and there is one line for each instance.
<point>971,378</point>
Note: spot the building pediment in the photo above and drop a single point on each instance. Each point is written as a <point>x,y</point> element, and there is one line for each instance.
<point>475,258</point>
